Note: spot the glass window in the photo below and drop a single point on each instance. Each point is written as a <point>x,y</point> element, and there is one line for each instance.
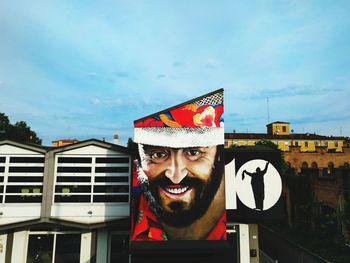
<point>112,160</point>
<point>23,178</point>
<point>25,169</point>
<point>119,249</point>
<point>40,248</point>
<point>27,159</point>
<point>74,160</point>
<point>101,179</point>
<point>67,248</point>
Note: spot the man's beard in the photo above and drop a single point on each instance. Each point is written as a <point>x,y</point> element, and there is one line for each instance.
<point>181,215</point>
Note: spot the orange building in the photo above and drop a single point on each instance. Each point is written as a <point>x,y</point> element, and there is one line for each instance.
<point>281,134</point>
<point>64,142</point>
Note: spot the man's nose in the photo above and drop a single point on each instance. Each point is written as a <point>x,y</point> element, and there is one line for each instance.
<point>176,171</point>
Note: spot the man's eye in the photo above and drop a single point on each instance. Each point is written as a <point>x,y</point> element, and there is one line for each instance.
<point>158,155</point>
<point>193,152</point>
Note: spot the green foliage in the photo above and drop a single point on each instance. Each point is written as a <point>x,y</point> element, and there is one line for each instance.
<point>313,229</point>
<point>133,147</point>
<point>19,131</point>
<point>346,211</point>
<point>267,143</point>
<point>315,241</point>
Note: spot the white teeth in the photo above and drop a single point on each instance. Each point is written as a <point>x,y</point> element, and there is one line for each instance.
<point>177,190</point>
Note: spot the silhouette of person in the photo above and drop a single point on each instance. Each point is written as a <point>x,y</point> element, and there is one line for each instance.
<point>258,186</point>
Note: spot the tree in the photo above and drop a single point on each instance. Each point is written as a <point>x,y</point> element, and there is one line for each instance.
<point>133,147</point>
<point>20,131</point>
<point>267,143</point>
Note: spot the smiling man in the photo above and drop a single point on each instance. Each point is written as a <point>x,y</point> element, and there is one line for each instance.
<point>178,185</point>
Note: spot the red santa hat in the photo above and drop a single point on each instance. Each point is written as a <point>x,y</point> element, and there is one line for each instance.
<point>196,123</point>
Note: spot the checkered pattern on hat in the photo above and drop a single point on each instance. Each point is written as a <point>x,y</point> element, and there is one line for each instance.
<point>217,98</point>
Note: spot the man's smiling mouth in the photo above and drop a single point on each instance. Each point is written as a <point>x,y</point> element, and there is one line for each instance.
<point>177,190</point>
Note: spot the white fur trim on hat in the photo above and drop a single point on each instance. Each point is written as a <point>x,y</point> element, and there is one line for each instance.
<point>179,137</point>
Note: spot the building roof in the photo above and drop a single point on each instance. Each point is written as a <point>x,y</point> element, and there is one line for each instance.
<point>28,146</point>
<point>295,136</point>
<point>255,148</point>
<point>278,122</point>
<point>43,149</point>
<point>96,142</point>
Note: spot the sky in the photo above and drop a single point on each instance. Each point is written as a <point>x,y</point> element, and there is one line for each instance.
<point>88,69</point>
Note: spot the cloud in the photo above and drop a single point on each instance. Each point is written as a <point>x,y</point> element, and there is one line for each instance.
<point>210,66</point>
<point>130,102</point>
<point>178,64</point>
<point>95,101</point>
<point>122,74</point>
<point>92,74</point>
<point>161,76</point>
<point>321,119</point>
<point>293,90</point>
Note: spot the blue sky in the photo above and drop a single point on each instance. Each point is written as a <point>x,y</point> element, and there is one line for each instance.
<point>87,69</point>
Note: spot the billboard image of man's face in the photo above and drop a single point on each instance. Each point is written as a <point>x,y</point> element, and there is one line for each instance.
<point>178,184</point>
<point>182,181</point>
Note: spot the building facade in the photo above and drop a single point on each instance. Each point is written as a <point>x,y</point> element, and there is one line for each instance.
<point>323,163</point>
<point>327,173</point>
<point>71,204</point>
<point>65,204</point>
<point>281,134</point>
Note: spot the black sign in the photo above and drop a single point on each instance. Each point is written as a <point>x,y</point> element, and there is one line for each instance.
<point>253,184</point>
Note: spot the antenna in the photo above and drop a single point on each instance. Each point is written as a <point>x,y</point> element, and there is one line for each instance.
<point>268,110</point>
<point>341,131</point>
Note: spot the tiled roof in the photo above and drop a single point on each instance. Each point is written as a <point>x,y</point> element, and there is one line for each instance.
<point>275,122</point>
<point>295,136</point>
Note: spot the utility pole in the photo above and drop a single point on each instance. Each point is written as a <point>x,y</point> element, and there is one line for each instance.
<point>268,110</point>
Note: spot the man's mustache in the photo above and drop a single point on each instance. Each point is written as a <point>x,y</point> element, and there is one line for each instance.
<point>187,181</point>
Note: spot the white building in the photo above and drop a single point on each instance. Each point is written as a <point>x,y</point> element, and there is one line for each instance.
<point>67,204</point>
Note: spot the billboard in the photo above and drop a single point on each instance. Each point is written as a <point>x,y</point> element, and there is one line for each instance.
<point>178,186</point>
<point>253,184</point>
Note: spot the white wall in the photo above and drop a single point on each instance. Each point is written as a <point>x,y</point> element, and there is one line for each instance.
<point>244,243</point>
<point>19,248</point>
<point>3,240</point>
<point>85,248</point>
<point>102,246</point>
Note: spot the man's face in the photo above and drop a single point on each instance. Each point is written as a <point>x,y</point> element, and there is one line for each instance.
<point>181,180</point>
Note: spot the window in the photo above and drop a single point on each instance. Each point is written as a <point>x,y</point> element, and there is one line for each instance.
<point>306,144</point>
<point>50,248</point>
<point>94,179</point>
<point>119,248</point>
<point>284,128</point>
<point>336,144</point>
<point>329,171</point>
<point>304,165</point>
<point>21,179</point>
